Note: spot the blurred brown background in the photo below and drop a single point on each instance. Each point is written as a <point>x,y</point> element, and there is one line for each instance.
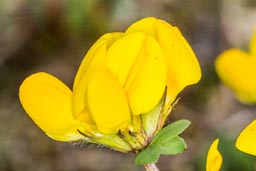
<point>54,35</point>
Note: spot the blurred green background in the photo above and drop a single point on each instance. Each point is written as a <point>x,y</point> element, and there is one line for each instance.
<point>54,35</point>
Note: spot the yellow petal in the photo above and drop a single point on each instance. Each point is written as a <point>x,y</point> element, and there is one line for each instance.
<point>145,25</point>
<point>108,40</point>
<point>246,141</point>
<point>138,63</point>
<point>79,105</point>
<point>122,54</point>
<point>237,70</point>
<point>252,46</point>
<point>48,102</point>
<point>107,102</point>
<point>183,67</point>
<point>95,58</point>
<point>147,79</point>
<point>214,158</point>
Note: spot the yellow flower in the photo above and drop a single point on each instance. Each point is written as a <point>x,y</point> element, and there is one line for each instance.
<point>214,158</point>
<point>120,82</point>
<point>247,139</point>
<point>237,70</point>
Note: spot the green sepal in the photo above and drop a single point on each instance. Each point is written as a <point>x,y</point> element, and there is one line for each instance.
<point>150,120</point>
<point>165,142</point>
<point>114,142</point>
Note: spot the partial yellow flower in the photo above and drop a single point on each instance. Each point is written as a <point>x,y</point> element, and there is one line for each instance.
<point>214,158</point>
<point>246,141</point>
<point>237,70</point>
<point>122,78</point>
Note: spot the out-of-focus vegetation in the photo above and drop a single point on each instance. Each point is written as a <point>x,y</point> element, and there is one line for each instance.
<point>54,35</point>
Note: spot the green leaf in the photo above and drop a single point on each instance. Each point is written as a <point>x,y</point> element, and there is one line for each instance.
<point>152,152</point>
<point>172,130</point>
<point>174,146</point>
<point>165,142</point>
<point>148,155</point>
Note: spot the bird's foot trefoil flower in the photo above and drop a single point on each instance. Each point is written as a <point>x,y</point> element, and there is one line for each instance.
<point>122,94</point>
<point>236,68</point>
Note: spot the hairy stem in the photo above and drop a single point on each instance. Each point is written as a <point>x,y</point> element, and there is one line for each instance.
<point>151,167</point>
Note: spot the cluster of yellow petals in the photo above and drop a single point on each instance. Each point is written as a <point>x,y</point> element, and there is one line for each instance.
<point>123,75</point>
<point>236,68</point>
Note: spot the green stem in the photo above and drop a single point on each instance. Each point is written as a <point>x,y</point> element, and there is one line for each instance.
<point>151,167</point>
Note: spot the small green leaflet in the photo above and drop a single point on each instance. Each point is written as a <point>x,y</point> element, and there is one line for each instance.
<point>166,141</point>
